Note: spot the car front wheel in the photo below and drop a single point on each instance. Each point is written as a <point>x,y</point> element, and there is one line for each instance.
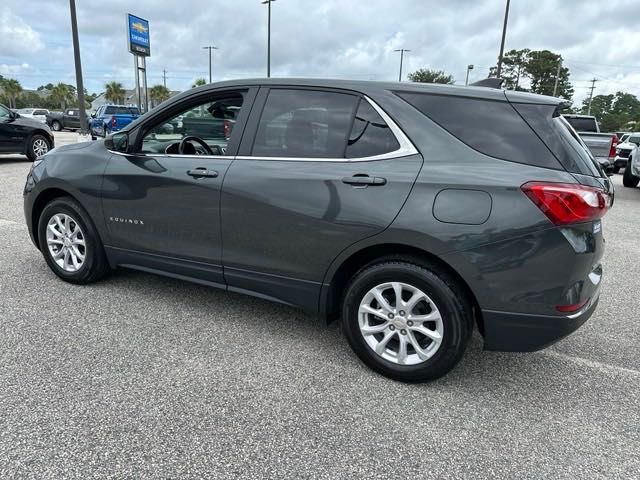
<point>628,178</point>
<point>70,243</point>
<point>38,146</point>
<point>408,321</point>
<point>55,125</point>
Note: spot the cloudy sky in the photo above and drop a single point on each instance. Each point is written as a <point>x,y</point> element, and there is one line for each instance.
<point>323,38</point>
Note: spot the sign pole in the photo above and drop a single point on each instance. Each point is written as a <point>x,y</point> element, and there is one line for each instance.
<point>78,65</point>
<point>144,85</point>
<point>137,74</point>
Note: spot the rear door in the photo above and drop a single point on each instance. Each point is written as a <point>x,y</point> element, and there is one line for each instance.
<point>71,119</point>
<point>318,170</point>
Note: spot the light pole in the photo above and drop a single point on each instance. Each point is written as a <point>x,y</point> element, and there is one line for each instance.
<point>78,65</point>
<point>268,3</point>
<point>504,34</point>
<point>469,68</point>
<point>401,50</point>
<point>210,47</point>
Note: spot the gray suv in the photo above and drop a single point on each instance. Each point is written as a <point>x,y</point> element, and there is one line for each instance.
<point>413,213</point>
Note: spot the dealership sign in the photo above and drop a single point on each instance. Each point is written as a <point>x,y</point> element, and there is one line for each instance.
<point>138,35</point>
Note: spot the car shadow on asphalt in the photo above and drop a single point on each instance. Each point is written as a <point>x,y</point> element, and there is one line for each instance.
<point>478,369</point>
<point>8,159</point>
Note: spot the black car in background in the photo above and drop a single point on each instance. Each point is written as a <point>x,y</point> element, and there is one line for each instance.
<point>415,213</point>
<point>23,135</point>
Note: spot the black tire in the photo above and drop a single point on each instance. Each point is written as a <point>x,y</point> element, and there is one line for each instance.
<point>31,153</point>
<point>628,179</point>
<point>95,265</point>
<point>454,307</point>
<point>56,126</point>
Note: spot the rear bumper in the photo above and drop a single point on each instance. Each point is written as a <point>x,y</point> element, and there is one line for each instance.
<point>517,332</point>
<point>620,162</point>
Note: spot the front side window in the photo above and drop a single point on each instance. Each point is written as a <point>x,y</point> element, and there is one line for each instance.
<point>202,129</point>
<point>304,123</point>
<point>4,112</point>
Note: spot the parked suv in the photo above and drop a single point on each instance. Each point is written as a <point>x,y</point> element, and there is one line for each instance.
<point>624,149</point>
<point>412,212</point>
<point>27,136</point>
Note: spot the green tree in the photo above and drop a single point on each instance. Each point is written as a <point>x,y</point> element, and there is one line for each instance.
<point>11,90</point>
<point>426,75</point>
<point>48,86</point>
<point>114,92</point>
<point>158,94</point>
<point>199,82</point>
<point>514,68</point>
<point>613,112</point>
<point>62,94</point>
<point>542,69</point>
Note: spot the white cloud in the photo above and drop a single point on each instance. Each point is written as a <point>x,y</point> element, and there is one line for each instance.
<point>17,36</point>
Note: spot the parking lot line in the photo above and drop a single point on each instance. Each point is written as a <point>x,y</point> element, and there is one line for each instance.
<point>605,367</point>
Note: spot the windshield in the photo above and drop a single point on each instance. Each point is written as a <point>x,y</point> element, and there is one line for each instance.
<point>122,111</point>
<point>583,124</point>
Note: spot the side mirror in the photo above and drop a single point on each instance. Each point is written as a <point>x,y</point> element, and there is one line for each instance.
<point>13,115</point>
<point>118,142</point>
<point>93,115</point>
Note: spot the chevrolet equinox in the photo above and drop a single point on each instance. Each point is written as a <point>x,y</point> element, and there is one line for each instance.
<point>413,213</point>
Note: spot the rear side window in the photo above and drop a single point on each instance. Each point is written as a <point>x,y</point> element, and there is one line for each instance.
<point>488,126</point>
<point>556,132</point>
<point>304,123</point>
<point>370,135</point>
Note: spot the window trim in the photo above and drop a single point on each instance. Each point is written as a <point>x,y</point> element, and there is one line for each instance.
<point>406,147</point>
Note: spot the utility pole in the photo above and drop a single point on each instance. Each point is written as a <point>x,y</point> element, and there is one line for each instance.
<point>555,87</point>
<point>469,68</point>
<point>504,35</point>
<point>210,47</point>
<point>78,65</point>
<point>593,86</point>
<point>164,77</point>
<point>401,50</point>
<point>268,3</point>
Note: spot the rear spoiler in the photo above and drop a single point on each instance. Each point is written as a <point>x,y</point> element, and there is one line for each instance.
<point>488,82</point>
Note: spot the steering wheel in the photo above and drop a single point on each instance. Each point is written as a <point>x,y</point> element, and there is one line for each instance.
<point>191,138</point>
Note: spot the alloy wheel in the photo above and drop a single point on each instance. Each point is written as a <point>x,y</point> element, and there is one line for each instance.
<point>40,147</point>
<point>66,242</point>
<point>400,323</point>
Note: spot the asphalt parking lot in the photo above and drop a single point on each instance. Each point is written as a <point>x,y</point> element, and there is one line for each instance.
<point>140,376</point>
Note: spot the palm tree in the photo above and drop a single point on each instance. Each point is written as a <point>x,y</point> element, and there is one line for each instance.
<point>62,94</point>
<point>12,90</point>
<point>158,94</point>
<point>199,82</point>
<point>114,92</point>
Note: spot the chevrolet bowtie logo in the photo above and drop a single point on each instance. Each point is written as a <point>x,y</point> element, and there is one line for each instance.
<point>139,27</point>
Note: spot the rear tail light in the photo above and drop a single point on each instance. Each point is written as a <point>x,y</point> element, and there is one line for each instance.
<point>614,144</point>
<point>567,203</point>
<point>114,122</point>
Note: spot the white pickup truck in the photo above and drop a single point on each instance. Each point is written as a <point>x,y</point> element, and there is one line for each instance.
<point>601,145</point>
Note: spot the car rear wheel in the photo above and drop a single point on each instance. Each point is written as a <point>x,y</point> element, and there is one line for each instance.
<point>56,125</point>
<point>70,243</point>
<point>628,178</point>
<point>38,146</point>
<point>408,321</point>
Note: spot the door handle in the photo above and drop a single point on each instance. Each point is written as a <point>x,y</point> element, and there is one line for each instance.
<point>202,172</point>
<point>361,180</point>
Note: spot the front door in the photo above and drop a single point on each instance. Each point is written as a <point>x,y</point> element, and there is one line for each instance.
<point>161,204</point>
<point>11,134</point>
<point>326,169</point>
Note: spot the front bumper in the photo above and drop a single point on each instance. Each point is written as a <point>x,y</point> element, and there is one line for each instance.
<point>517,332</point>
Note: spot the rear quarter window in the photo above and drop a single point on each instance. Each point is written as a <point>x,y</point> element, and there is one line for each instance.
<point>488,126</point>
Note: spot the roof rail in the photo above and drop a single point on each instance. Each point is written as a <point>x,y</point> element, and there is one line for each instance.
<point>488,82</point>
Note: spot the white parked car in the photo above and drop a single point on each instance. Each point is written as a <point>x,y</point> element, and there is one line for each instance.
<point>631,176</point>
<point>624,149</point>
<point>39,114</point>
